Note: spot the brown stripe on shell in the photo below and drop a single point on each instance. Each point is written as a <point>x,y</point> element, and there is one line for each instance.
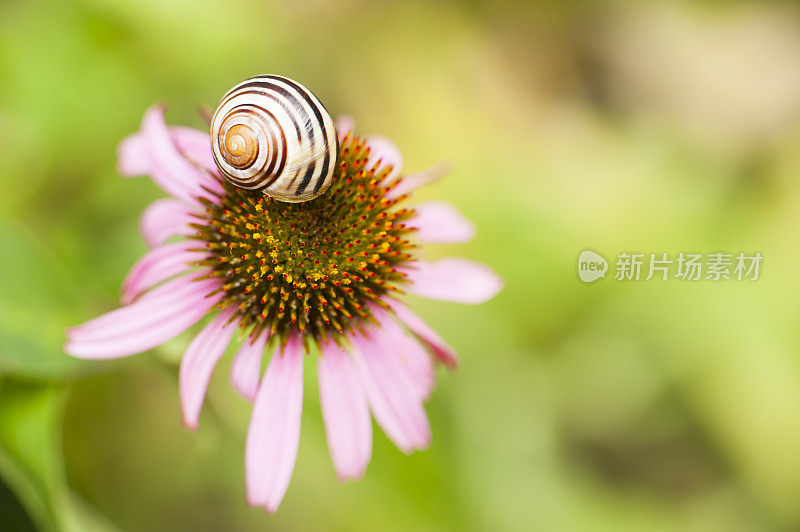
<point>277,105</point>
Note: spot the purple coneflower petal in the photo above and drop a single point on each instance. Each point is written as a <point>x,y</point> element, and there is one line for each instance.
<point>444,353</point>
<point>397,408</point>
<point>438,222</point>
<point>246,367</point>
<point>384,152</point>
<point>159,298</point>
<point>274,432</point>
<point>199,361</point>
<point>415,363</point>
<point>132,158</point>
<point>169,168</point>
<point>344,125</point>
<point>164,219</point>
<point>157,265</point>
<point>196,146</point>
<point>158,316</point>
<point>348,426</point>
<point>454,279</point>
<point>412,182</point>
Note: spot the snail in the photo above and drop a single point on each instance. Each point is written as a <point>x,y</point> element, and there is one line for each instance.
<point>270,133</point>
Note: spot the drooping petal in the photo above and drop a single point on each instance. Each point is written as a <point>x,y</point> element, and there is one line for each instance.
<point>454,279</point>
<point>397,408</point>
<point>412,182</point>
<point>157,265</point>
<point>444,353</point>
<point>348,427</point>
<point>159,298</point>
<point>416,364</point>
<point>344,125</point>
<point>195,145</point>
<point>168,167</point>
<point>199,361</point>
<point>246,366</point>
<point>164,219</point>
<point>384,153</point>
<point>132,158</point>
<point>438,222</point>
<point>274,432</point>
<point>158,316</point>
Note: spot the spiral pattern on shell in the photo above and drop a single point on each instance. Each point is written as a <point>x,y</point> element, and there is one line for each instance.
<point>272,134</point>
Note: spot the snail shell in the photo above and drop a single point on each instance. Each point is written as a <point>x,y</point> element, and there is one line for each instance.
<point>272,134</point>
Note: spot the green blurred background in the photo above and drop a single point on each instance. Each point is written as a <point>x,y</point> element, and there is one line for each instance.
<point>623,126</point>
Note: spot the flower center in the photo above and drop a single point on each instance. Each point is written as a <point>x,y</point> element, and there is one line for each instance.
<point>315,266</point>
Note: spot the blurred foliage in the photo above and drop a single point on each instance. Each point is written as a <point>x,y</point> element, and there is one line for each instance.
<point>622,126</point>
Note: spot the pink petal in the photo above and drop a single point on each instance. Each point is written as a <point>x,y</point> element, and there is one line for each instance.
<point>164,219</point>
<point>132,158</point>
<point>397,408</point>
<point>246,367</point>
<point>383,152</point>
<point>438,222</point>
<point>158,316</point>
<point>345,413</point>
<point>274,432</point>
<point>344,125</point>
<point>415,363</point>
<point>446,354</point>
<point>108,324</point>
<point>169,168</point>
<point>412,182</point>
<point>157,265</point>
<point>195,145</point>
<point>454,279</point>
<point>199,361</point>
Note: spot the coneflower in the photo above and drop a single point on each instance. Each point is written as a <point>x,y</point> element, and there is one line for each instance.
<point>325,276</point>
